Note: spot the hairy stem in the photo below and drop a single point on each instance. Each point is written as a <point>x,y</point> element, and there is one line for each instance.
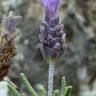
<point>50,78</point>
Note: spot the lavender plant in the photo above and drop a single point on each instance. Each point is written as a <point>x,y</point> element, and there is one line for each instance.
<point>52,45</point>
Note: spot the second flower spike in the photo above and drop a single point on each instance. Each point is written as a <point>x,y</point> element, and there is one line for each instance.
<point>7,42</point>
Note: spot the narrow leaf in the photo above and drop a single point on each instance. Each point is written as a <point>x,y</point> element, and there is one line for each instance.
<point>56,93</point>
<point>42,90</point>
<point>63,87</point>
<point>68,90</point>
<point>13,90</point>
<point>27,84</point>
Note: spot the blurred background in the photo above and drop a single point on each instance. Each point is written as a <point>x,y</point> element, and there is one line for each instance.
<point>78,64</point>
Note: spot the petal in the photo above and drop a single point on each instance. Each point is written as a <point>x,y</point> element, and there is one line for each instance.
<point>51,4</point>
<point>51,8</point>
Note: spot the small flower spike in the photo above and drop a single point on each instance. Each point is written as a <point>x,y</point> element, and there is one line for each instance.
<point>7,42</point>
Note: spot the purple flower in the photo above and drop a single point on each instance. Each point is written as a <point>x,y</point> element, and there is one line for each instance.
<point>50,8</point>
<point>9,23</point>
<point>8,26</point>
<point>11,26</point>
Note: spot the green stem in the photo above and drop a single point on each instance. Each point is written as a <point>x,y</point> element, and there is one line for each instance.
<point>50,78</point>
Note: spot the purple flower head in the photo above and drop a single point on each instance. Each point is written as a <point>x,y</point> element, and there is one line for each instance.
<point>50,8</point>
<point>8,27</point>
<point>9,23</point>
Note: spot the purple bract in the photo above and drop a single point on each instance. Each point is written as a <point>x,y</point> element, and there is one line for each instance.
<point>11,26</point>
<point>51,8</point>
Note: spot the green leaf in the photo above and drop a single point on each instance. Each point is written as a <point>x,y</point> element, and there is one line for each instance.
<point>68,90</point>
<point>27,84</point>
<point>13,90</point>
<point>42,90</point>
<point>56,93</point>
<point>63,86</point>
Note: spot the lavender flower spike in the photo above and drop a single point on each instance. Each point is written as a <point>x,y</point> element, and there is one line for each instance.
<point>52,36</point>
<point>7,42</point>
